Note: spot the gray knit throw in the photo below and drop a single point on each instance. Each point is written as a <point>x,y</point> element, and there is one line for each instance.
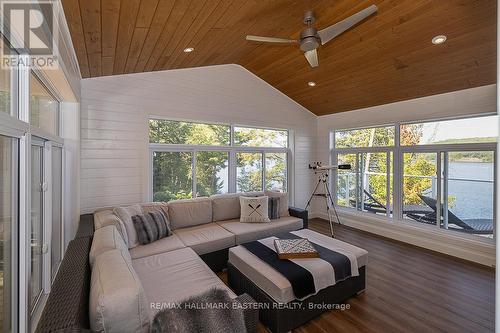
<point>197,314</point>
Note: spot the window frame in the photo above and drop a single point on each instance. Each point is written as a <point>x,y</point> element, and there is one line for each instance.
<point>232,150</point>
<point>398,152</point>
<point>16,125</point>
<point>35,130</point>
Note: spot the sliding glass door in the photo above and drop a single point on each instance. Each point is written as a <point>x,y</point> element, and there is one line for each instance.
<point>8,228</point>
<point>36,239</point>
<point>57,225</point>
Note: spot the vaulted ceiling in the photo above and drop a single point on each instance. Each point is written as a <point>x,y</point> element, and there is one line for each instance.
<point>387,58</point>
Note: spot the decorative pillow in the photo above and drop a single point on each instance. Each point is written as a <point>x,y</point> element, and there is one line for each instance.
<point>151,226</point>
<point>274,208</point>
<point>125,214</point>
<point>283,211</point>
<point>254,209</point>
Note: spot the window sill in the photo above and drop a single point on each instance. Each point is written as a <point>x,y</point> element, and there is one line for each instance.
<point>453,243</point>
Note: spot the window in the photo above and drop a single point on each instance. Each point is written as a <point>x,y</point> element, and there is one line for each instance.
<point>172,175</point>
<point>444,173</point>
<point>248,172</point>
<point>469,192</point>
<point>367,186</point>
<point>57,231</point>
<point>276,172</point>
<point>212,173</point>
<point>457,131</point>
<point>420,181</point>
<point>8,230</point>
<point>259,137</point>
<point>194,159</point>
<point>365,137</point>
<point>8,80</point>
<point>187,133</point>
<point>44,108</point>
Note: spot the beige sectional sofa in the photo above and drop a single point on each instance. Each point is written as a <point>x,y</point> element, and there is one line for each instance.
<point>130,284</point>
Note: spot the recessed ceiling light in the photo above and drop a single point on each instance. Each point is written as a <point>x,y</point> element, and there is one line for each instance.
<point>439,40</point>
<point>188,49</point>
<point>311,83</point>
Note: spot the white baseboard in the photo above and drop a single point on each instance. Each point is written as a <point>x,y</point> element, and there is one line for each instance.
<point>447,242</point>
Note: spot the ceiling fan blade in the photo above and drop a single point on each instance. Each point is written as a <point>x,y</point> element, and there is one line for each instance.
<point>333,31</point>
<point>312,57</point>
<point>271,39</point>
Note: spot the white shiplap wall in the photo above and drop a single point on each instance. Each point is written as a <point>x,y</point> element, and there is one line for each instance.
<point>115,109</point>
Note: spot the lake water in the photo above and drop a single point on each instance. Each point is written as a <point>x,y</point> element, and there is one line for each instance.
<point>472,199</point>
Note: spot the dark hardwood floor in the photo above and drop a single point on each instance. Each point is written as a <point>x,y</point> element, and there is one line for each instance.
<point>409,289</point>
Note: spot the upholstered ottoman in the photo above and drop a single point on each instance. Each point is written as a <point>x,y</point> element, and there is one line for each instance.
<point>261,275</point>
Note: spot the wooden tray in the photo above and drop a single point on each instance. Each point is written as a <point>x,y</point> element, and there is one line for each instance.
<point>295,248</point>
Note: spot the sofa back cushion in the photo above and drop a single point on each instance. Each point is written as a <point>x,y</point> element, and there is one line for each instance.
<point>155,206</point>
<point>189,212</point>
<point>106,217</point>
<point>227,206</point>
<point>125,214</point>
<point>117,300</point>
<point>106,239</point>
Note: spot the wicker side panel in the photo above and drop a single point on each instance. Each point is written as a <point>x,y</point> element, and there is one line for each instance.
<point>86,226</point>
<point>250,311</point>
<point>279,318</point>
<point>301,214</point>
<point>66,309</point>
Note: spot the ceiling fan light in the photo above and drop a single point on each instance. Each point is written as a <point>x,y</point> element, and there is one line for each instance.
<point>440,39</point>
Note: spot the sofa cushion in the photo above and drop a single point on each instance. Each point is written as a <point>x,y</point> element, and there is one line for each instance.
<point>227,206</point>
<point>125,214</point>
<point>166,244</point>
<point>247,232</point>
<point>106,217</point>
<point>155,206</point>
<point>175,276</point>
<point>283,197</point>
<point>206,238</point>
<point>117,301</point>
<point>105,239</point>
<point>189,212</point>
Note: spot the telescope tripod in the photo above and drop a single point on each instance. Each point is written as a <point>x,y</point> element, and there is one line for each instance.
<point>323,179</point>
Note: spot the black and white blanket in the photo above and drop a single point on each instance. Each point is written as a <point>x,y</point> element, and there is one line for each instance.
<point>307,276</point>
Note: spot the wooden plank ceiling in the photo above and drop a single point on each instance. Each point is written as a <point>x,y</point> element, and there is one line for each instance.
<point>387,58</point>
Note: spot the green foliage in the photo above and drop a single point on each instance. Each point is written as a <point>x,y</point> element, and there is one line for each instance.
<point>172,171</point>
<point>365,137</point>
<point>375,165</point>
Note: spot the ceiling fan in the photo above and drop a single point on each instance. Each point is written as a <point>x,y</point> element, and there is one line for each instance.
<point>310,37</point>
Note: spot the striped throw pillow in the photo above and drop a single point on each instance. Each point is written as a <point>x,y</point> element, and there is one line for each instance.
<point>151,227</point>
<point>273,207</point>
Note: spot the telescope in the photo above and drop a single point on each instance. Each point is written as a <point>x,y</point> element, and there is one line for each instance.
<point>318,166</point>
<point>321,171</point>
